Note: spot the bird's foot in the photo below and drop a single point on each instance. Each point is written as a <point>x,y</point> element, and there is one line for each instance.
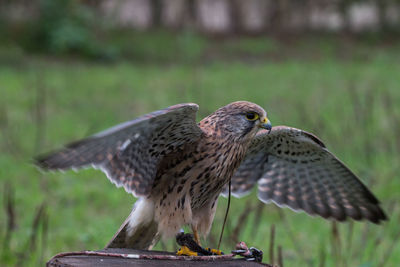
<point>214,251</point>
<point>189,247</point>
<point>185,251</point>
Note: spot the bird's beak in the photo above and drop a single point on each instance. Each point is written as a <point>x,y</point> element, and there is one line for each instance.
<point>265,124</point>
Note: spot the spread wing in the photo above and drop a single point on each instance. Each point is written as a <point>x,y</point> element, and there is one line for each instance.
<point>294,169</point>
<point>130,152</point>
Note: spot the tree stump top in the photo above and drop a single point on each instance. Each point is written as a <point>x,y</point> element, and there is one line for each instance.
<point>106,258</point>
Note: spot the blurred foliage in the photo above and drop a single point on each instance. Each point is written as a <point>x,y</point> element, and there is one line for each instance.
<point>62,27</point>
<point>72,28</point>
<point>158,45</point>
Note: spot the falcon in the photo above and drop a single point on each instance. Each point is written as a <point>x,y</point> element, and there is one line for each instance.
<point>178,168</point>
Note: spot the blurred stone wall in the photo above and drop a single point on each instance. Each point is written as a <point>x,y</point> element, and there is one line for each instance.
<point>238,16</point>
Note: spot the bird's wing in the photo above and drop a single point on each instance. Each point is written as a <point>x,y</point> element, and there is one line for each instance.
<point>129,152</point>
<point>294,169</point>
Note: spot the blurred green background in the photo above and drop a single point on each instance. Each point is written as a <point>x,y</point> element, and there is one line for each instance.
<point>68,69</point>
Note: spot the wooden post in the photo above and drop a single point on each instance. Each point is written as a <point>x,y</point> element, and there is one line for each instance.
<point>130,257</point>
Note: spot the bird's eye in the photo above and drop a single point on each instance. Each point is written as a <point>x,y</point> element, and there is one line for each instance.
<point>251,116</point>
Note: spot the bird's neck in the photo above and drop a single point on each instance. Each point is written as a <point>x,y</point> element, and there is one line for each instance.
<point>214,128</point>
<point>229,146</point>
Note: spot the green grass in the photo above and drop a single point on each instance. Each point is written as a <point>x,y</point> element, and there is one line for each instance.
<point>353,105</point>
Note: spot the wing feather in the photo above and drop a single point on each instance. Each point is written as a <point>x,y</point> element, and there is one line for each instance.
<point>130,152</point>
<point>294,169</point>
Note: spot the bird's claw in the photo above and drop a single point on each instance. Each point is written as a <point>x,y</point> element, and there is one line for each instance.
<point>215,251</point>
<point>189,247</point>
<point>185,251</point>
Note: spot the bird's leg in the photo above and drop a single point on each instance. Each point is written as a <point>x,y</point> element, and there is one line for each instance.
<point>197,239</point>
<point>190,246</point>
<point>196,235</point>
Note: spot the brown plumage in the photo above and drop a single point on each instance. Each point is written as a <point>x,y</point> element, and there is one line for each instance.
<point>179,168</point>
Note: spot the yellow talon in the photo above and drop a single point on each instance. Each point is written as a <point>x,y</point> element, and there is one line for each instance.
<point>215,251</point>
<point>185,251</point>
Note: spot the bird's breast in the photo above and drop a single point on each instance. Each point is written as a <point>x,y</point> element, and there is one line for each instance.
<point>197,175</point>
<point>213,166</point>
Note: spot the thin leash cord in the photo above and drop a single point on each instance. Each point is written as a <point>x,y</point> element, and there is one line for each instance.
<point>226,214</point>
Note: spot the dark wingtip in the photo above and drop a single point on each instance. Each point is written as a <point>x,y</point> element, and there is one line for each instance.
<point>377,216</point>
<point>377,219</point>
<point>52,161</point>
<point>60,159</point>
<point>42,161</point>
<point>381,216</point>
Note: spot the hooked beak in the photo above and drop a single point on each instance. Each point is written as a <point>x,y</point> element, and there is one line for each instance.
<point>265,124</point>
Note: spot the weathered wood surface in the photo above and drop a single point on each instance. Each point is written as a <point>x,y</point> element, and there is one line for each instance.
<point>95,260</point>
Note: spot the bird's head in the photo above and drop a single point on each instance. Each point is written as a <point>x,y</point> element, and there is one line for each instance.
<point>241,119</point>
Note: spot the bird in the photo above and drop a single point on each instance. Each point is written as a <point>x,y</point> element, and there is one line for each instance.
<point>178,168</point>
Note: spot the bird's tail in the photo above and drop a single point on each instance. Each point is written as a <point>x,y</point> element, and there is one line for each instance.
<point>139,231</point>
